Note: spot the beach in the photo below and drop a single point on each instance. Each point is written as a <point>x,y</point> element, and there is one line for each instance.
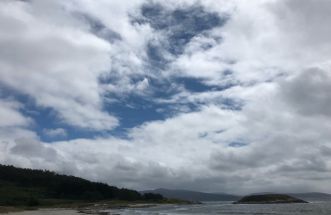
<point>92,209</point>
<point>47,211</point>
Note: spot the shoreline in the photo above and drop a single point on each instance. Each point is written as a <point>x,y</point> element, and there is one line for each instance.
<point>88,208</point>
<point>48,211</point>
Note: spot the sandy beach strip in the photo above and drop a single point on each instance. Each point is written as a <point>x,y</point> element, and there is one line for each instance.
<point>47,211</point>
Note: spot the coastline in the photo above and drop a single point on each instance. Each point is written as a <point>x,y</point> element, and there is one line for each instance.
<point>49,211</point>
<point>70,211</point>
<point>87,208</point>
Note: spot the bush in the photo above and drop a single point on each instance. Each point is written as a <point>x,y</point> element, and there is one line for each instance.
<point>31,202</point>
<point>153,196</point>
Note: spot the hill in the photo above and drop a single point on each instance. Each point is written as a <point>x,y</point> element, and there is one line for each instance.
<point>269,199</point>
<point>193,196</point>
<point>312,196</point>
<point>31,187</point>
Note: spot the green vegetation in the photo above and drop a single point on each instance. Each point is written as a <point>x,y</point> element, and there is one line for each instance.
<point>31,188</point>
<point>269,199</point>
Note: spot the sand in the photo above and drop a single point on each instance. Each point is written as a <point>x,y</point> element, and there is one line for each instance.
<point>48,212</point>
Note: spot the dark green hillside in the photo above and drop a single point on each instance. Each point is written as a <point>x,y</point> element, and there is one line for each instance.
<point>31,187</point>
<point>193,195</point>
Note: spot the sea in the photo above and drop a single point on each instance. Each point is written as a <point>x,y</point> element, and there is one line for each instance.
<point>226,208</point>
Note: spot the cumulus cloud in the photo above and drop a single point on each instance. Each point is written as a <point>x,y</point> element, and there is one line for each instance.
<point>33,149</point>
<point>55,63</point>
<point>10,114</point>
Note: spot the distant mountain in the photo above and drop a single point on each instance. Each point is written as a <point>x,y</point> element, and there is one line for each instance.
<point>312,196</point>
<point>193,195</point>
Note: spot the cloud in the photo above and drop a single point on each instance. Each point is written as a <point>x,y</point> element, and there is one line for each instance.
<point>308,92</point>
<point>31,153</point>
<point>246,99</point>
<point>56,62</point>
<point>309,31</point>
<point>13,123</point>
<point>57,132</point>
<point>33,149</point>
<point>10,114</point>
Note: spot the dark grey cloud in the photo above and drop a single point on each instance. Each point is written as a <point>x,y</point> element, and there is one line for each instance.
<point>305,164</point>
<point>309,92</point>
<point>98,28</point>
<point>307,18</point>
<point>30,148</point>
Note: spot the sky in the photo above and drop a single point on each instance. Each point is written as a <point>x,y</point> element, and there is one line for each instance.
<point>213,95</point>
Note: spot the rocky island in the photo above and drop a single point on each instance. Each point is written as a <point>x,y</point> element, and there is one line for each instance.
<point>269,199</point>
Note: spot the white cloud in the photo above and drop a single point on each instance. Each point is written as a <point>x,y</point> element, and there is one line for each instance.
<point>10,115</point>
<point>13,124</point>
<point>57,132</point>
<point>56,63</point>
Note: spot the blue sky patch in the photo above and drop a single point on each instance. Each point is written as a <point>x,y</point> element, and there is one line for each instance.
<point>45,118</point>
<point>178,27</point>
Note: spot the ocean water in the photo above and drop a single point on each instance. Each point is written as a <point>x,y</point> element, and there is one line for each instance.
<point>226,208</point>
